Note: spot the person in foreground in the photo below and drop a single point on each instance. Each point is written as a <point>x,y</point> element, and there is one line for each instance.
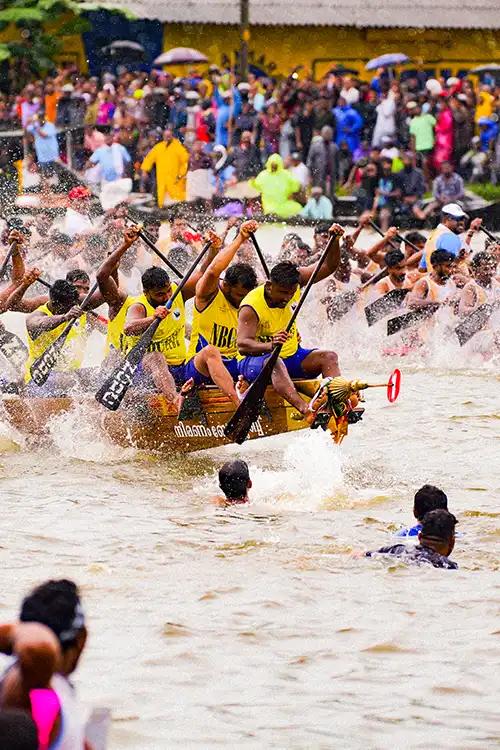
<point>46,645</point>
<point>427,498</point>
<point>436,542</point>
<point>234,481</point>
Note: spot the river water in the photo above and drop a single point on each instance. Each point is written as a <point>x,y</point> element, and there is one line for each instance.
<point>259,626</point>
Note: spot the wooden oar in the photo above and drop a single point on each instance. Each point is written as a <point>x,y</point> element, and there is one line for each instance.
<point>476,320</point>
<point>6,262</point>
<point>13,349</point>
<point>343,302</point>
<point>41,367</point>
<point>260,254</point>
<point>411,319</point>
<point>113,390</point>
<point>248,411</point>
<point>396,236</point>
<point>145,237</point>
<point>385,305</point>
<point>490,234</point>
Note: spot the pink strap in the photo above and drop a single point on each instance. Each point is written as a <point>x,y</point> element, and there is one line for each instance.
<point>45,709</point>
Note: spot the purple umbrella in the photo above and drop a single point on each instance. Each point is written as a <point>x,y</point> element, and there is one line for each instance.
<point>181,56</point>
<point>387,61</point>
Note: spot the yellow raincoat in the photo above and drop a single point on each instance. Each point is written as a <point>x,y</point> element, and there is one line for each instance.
<point>276,187</point>
<point>171,161</point>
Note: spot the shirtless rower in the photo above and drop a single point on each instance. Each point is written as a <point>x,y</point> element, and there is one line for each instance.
<point>217,299</point>
<point>166,359</point>
<point>483,286</point>
<point>263,317</point>
<point>436,287</point>
<point>395,263</point>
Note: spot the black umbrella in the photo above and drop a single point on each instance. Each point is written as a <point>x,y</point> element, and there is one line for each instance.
<point>341,70</point>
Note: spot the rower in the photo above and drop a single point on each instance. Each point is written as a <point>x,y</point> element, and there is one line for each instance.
<point>165,361</point>
<point>217,299</point>
<point>452,220</point>
<point>263,317</point>
<point>395,263</point>
<point>234,481</point>
<point>427,498</point>
<point>44,326</point>
<point>117,299</point>
<point>483,286</point>
<point>436,542</point>
<point>437,286</point>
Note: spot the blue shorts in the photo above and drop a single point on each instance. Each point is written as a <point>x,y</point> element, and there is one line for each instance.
<point>183,373</point>
<point>251,367</point>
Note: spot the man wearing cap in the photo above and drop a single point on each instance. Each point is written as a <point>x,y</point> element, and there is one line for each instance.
<point>436,542</point>
<point>452,218</point>
<point>299,169</point>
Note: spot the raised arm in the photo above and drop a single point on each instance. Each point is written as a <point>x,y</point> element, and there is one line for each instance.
<point>189,289</point>
<point>16,301</point>
<point>108,287</point>
<point>37,653</point>
<point>208,284</point>
<point>332,259</point>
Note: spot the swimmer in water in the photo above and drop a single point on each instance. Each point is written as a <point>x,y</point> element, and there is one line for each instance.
<point>436,542</point>
<point>17,731</point>
<point>234,481</point>
<point>427,498</point>
<point>46,645</point>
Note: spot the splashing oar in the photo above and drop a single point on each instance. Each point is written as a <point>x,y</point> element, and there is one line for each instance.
<point>343,302</point>
<point>41,367</point>
<point>385,305</point>
<point>260,254</point>
<point>113,390</point>
<point>13,349</point>
<point>248,411</point>
<point>475,321</point>
<point>411,319</point>
<point>148,240</point>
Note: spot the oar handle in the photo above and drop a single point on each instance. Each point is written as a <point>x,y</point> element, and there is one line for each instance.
<point>185,279</point>
<point>145,237</point>
<point>376,277</point>
<point>260,254</point>
<point>397,236</point>
<point>489,234</point>
<point>6,262</point>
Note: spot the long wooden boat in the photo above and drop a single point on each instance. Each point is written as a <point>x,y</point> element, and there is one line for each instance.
<point>149,422</point>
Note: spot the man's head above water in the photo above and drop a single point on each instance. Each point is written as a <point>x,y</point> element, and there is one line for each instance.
<point>234,481</point>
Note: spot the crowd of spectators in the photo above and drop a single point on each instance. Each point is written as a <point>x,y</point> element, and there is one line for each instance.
<point>399,147</point>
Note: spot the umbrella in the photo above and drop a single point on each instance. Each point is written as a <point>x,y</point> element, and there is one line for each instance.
<point>387,61</point>
<point>340,70</point>
<point>124,47</point>
<point>490,68</point>
<point>180,56</point>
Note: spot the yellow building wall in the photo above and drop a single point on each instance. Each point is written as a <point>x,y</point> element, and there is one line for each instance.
<point>73,48</point>
<point>278,49</point>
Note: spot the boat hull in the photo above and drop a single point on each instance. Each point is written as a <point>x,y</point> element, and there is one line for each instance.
<point>149,422</point>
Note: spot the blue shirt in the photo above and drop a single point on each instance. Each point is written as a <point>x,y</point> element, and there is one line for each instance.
<point>412,531</point>
<point>47,149</point>
<point>105,158</point>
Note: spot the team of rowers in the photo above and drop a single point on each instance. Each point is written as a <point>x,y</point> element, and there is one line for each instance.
<point>236,321</point>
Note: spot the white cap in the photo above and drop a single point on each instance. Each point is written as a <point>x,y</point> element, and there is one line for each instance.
<point>454,210</point>
<point>68,88</point>
<point>244,86</point>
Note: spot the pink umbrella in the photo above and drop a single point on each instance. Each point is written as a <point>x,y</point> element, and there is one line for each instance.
<point>180,56</point>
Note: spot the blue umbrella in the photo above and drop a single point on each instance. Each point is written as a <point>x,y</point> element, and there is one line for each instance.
<point>387,61</point>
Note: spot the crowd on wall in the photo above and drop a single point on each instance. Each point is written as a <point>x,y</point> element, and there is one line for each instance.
<point>400,147</point>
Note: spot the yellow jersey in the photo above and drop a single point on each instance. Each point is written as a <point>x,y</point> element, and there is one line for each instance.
<point>273,319</point>
<point>115,335</point>
<point>169,337</point>
<point>74,347</point>
<point>217,324</point>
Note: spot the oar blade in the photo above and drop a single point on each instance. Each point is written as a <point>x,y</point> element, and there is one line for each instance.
<point>410,319</point>
<point>248,411</point>
<point>341,304</point>
<point>13,349</point>
<point>473,323</point>
<point>42,367</point>
<point>113,390</point>
<point>384,305</point>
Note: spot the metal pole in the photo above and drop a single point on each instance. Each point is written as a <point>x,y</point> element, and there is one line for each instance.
<point>69,149</point>
<point>245,36</point>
